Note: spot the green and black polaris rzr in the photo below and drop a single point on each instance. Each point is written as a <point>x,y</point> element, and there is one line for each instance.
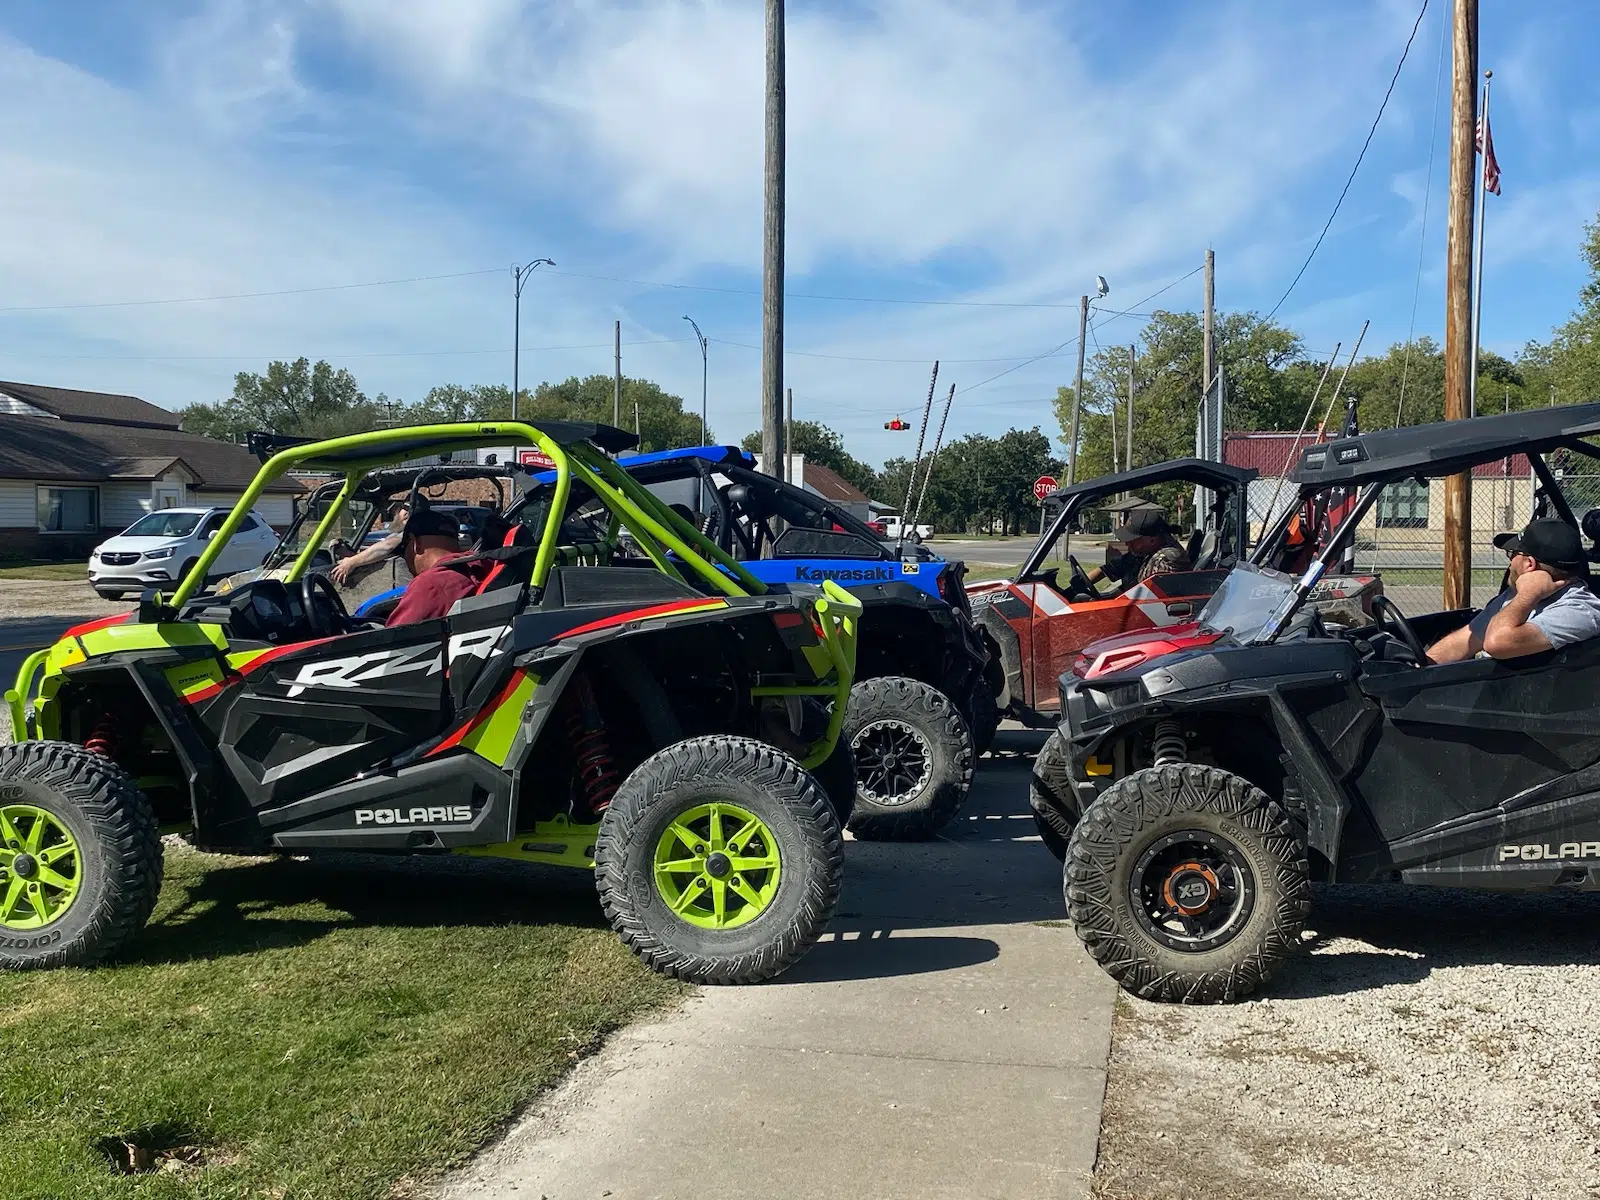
<point>655,713</point>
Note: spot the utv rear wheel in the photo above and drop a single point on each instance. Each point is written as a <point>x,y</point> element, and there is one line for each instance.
<point>1051,797</point>
<point>1187,884</point>
<point>913,759</point>
<point>80,856</point>
<point>719,861</point>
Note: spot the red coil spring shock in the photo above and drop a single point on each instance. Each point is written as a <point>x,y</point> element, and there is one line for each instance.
<point>597,770</point>
<point>103,740</point>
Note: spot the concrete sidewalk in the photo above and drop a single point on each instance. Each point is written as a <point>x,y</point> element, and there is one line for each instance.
<point>939,1042</point>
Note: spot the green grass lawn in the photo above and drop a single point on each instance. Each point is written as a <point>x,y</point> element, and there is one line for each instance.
<point>44,570</point>
<point>341,1029</point>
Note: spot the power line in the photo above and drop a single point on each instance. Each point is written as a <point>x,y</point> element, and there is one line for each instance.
<point>332,287</point>
<point>333,357</point>
<point>1346,189</point>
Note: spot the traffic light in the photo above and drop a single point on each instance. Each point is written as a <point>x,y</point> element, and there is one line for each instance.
<point>897,423</point>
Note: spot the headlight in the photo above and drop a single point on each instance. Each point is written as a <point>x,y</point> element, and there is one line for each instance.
<point>159,554</point>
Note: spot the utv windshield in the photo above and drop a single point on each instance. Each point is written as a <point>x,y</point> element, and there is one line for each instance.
<point>1250,600</point>
<point>164,524</point>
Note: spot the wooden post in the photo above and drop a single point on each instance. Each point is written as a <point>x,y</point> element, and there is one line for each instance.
<point>1458,294</point>
<point>1077,391</point>
<point>616,391</point>
<point>772,447</point>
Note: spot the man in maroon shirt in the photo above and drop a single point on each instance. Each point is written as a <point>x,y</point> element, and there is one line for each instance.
<point>441,573</point>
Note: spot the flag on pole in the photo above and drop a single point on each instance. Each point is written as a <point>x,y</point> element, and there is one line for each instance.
<point>1491,165</point>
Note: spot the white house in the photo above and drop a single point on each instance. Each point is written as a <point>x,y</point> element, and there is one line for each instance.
<point>76,467</point>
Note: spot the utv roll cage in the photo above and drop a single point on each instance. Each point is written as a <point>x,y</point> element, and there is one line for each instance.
<point>1229,487</point>
<point>1368,463</point>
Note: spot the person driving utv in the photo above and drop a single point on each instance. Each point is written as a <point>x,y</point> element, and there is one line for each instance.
<point>441,574</point>
<point>1152,550</point>
<point>346,569</point>
<point>1546,605</point>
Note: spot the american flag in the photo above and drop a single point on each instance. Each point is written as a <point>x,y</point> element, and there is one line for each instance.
<point>1491,165</point>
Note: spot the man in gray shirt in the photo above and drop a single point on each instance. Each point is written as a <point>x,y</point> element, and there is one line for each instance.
<point>1547,605</point>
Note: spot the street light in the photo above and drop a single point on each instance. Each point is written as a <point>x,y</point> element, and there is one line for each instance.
<point>702,339</point>
<point>519,276</point>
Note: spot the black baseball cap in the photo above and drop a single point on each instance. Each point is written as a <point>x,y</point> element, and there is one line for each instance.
<point>1546,540</point>
<point>1142,522</point>
<point>430,522</point>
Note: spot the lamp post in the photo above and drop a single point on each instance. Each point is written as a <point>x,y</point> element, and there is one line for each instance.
<point>702,339</point>
<point>519,276</point>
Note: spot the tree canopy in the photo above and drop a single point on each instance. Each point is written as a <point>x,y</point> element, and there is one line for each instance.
<point>819,444</point>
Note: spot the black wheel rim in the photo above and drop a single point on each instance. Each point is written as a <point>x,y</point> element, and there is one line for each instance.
<point>893,762</point>
<point>1192,890</point>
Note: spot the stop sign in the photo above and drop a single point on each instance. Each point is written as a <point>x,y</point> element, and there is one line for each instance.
<point>1043,486</point>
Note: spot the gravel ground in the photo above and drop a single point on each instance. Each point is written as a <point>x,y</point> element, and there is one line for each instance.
<point>1431,1043</point>
<point>42,598</point>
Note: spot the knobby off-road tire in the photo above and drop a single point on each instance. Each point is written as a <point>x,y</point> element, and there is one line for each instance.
<point>114,862</point>
<point>1050,795</point>
<point>837,775</point>
<point>1204,812</point>
<point>914,759</point>
<point>641,860</point>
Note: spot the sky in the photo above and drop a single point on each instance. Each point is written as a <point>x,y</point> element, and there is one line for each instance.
<point>358,176</point>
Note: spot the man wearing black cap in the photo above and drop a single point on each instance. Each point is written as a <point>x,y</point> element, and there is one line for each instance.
<point>1547,604</point>
<point>1151,549</point>
<point>441,574</point>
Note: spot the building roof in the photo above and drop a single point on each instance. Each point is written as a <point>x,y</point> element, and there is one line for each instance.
<point>47,449</point>
<point>830,485</point>
<point>98,408</point>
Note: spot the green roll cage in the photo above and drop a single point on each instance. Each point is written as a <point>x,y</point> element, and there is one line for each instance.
<point>672,544</point>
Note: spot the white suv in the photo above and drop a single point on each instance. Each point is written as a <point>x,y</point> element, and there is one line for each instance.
<point>157,550</point>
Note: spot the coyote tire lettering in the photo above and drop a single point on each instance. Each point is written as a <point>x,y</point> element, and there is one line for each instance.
<point>455,814</point>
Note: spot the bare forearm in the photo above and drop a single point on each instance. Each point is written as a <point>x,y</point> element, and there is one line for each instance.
<point>1509,633</point>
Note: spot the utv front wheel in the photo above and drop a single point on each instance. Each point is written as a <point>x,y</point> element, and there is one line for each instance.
<point>80,856</point>
<point>1187,884</point>
<point>913,759</point>
<point>719,861</point>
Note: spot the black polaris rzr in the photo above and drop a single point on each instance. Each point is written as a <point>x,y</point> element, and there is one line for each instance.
<point>1216,785</point>
<point>654,713</point>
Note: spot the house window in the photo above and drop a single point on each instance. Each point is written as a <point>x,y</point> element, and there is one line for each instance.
<point>1403,505</point>
<point>69,510</point>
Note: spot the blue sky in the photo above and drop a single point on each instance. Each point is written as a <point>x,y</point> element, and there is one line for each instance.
<point>991,156</point>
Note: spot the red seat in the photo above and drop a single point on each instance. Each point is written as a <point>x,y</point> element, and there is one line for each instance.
<point>513,569</point>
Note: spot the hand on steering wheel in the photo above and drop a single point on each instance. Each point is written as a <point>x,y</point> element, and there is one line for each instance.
<point>1391,620</point>
<point>325,612</point>
<point>1080,581</point>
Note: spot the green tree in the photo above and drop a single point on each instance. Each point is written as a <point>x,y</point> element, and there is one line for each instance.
<point>664,425</point>
<point>976,481</point>
<point>1253,353</point>
<point>291,398</point>
<point>1566,369</point>
<point>819,444</point>
<point>455,402</point>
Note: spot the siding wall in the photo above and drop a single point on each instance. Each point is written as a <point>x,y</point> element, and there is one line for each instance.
<point>278,511</point>
<point>18,506</point>
<point>123,503</point>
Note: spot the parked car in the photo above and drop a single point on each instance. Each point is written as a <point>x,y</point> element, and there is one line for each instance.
<point>1216,785</point>
<point>158,549</point>
<point>889,527</point>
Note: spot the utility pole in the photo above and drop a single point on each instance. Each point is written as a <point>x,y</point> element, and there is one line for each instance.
<point>1077,391</point>
<point>772,447</point>
<point>1458,294</point>
<point>616,390</point>
<point>788,440</point>
<point>1133,356</point>
<point>1209,367</point>
<point>519,276</point>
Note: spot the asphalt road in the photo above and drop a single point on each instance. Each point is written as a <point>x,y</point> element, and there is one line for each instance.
<point>1008,551</point>
<point>21,636</point>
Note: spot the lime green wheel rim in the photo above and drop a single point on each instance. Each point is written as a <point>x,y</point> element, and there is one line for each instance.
<point>717,866</point>
<point>40,867</point>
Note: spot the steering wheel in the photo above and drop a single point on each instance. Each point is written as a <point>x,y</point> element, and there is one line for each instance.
<point>325,612</point>
<point>1079,582</point>
<point>1390,619</point>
